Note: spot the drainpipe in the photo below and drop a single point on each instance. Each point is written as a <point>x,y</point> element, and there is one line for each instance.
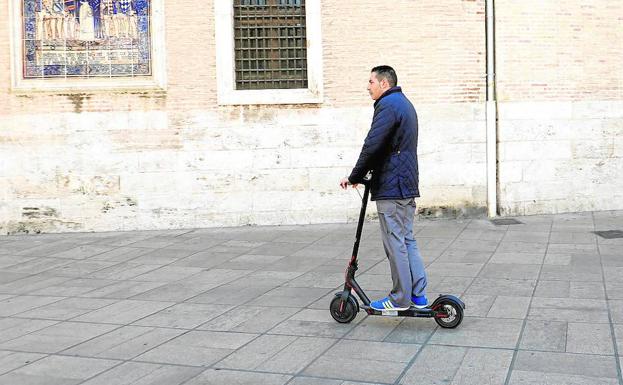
<point>491,113</point>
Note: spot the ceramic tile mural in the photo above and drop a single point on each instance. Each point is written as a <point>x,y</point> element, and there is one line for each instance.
<point>86,38</point>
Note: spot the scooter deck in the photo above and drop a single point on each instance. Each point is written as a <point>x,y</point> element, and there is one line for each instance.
<point>411,312</point>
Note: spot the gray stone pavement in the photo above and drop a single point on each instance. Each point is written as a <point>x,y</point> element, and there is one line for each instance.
<point>250,306</point>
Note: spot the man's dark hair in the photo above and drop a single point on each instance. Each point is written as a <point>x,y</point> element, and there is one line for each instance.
<point>386,72</point>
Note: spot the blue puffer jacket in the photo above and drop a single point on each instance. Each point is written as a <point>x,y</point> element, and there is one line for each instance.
<point>390,149</point>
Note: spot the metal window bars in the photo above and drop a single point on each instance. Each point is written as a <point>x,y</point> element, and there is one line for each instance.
<point>270,44</point>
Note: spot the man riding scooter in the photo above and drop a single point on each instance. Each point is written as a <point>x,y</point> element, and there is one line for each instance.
<point>390,152</point>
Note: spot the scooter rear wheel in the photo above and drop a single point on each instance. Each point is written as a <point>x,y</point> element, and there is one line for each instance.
<point>452,314</point>
<point>348,311</point>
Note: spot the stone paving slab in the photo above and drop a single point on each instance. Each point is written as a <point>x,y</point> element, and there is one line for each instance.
<point>249,305</point>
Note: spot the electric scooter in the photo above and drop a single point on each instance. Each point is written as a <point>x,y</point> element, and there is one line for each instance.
<point>447,310</point>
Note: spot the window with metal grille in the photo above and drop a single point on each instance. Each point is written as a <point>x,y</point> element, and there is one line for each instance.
<point>270,44</point>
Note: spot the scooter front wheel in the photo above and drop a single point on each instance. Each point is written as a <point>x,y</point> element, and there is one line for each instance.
<point>344,312</point>
<point>449,314</point>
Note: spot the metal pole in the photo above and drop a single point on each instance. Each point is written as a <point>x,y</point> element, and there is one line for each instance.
<point>491,112</point>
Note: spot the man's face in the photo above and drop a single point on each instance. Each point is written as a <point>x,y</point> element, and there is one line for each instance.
<point>376,87</point>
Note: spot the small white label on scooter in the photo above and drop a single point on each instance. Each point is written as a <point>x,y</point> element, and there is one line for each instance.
<point>389,312</point>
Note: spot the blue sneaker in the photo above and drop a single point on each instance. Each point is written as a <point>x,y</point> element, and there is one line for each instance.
<point>419,302</point>
<point>385,304</point>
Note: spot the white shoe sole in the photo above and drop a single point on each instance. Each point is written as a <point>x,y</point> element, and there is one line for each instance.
<point>392,309</point>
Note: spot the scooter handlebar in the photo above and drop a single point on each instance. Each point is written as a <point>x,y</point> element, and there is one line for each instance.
<point>365,181</point>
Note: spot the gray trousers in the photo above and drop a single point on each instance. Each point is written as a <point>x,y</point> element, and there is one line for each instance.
<point>405,261</point>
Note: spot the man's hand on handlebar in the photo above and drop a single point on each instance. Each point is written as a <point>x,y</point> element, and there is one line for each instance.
<point>344,183</point>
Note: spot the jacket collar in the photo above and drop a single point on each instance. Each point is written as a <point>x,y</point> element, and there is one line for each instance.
<point>389,91</point>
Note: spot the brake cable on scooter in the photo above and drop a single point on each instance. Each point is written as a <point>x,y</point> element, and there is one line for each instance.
<point>359,192</point>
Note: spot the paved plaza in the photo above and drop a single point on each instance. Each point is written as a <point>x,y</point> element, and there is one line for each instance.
<point>249,306</point>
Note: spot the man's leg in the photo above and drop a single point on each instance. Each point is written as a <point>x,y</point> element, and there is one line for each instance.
<point>418,274</point>
<point>393,231</point>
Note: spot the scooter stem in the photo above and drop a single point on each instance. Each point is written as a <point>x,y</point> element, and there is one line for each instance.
<point>362,216</point>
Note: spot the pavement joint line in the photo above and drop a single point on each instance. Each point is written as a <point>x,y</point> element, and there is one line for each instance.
<point>525,320</point>
<point>132,359</point>
<point>267,332</point>
<point>114,248</point>
<point>120,326</point>
<point>415,356</point>
<point>612,331</point>
<point>279,351</point>
<point>343,337</point>
<point>44,355</point>
<point>137,379</point>
<point>155,269</point>
<point>61,354</point>
<point>437,327</point>
<point>566,333</point>
<point>61,298</point>
<point>102,372</point>
<point>301,371</point>
<point>484,265</point>
<point>123,325</point>
<point>261,269</point>
<point>510,349</point>
<point>293,376</point>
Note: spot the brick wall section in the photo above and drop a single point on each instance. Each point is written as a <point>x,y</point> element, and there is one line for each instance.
<point>191,55</point>
<point>560,87</point>
<point>436,47</point>
<point>548,50</point>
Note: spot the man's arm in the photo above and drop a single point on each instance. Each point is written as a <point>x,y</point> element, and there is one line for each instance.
<point>373,147</point>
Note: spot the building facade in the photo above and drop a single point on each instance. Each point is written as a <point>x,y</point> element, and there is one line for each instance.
<point>147,114</point>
